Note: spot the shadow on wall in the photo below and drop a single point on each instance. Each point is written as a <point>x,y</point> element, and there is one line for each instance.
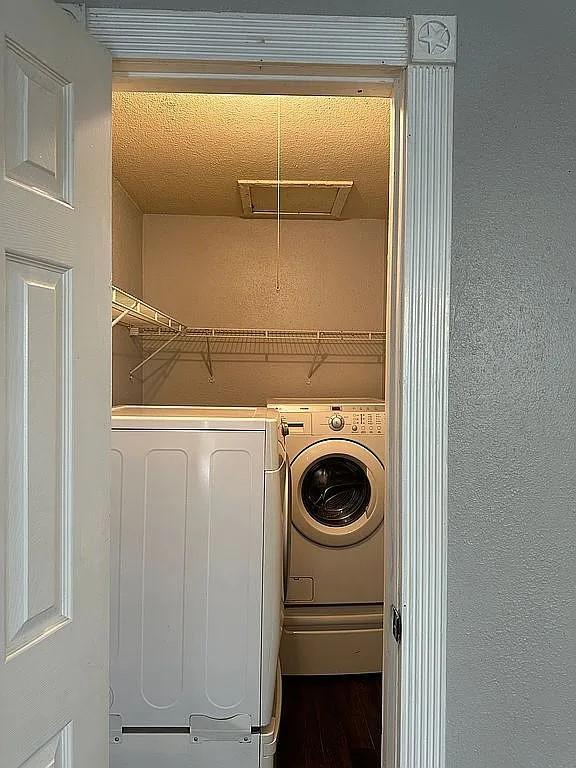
<point>127,353</point>
<point>251,380</point>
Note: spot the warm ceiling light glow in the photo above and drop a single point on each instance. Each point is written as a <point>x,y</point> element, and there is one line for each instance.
<point>184,153</point>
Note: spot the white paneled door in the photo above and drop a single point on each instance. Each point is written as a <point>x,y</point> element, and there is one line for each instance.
<point>54,389</point>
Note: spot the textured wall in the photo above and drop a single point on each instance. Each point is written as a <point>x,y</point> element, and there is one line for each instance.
<point>221,271</point>
<point>512,522</point>
<point>126,274</point>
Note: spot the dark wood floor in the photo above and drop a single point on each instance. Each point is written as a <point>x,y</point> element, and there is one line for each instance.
<point>330,722</point>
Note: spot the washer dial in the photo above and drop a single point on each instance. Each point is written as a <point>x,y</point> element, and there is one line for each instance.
<point>336,422</point>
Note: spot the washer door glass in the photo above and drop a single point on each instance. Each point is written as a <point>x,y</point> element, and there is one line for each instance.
<point>336,491</point>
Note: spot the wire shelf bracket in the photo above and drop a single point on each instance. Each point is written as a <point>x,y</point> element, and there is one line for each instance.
<point>153,354</point>
<point>207,358</point>
<point>317,361</point>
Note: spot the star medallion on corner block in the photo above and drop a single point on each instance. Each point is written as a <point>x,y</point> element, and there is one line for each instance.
<point>434,36</point>
<point>434,39</point>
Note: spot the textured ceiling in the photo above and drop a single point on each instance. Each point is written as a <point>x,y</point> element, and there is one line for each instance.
<point>184,153</point>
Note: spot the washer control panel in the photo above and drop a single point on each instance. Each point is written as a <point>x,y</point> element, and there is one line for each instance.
<point>368,422</point>
<point>319,417</point>
<point>350,422</point>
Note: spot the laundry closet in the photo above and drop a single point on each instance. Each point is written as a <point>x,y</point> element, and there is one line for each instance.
<point>249,292</point>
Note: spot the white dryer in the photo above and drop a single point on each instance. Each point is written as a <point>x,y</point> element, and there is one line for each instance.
<point>337,453</point>
<point>196,592</point>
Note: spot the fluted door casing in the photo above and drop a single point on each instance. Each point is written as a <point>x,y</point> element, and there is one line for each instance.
<point>426,276</point>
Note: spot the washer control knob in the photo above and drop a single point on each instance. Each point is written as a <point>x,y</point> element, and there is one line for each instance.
<point>336,423</point>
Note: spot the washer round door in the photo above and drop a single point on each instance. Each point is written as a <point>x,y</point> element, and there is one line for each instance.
<point>338,489</point>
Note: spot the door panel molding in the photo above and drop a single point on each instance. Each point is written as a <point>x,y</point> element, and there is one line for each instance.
<point>55,753</point>
<point>39,125</point>
<point>39,435</point>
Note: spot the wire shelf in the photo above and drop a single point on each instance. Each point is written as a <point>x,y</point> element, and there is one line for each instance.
<point>158,330</point>
<point>267,335</point>
<point>132,311</point>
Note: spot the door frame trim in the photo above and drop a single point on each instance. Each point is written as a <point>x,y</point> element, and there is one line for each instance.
<point>416,58</point>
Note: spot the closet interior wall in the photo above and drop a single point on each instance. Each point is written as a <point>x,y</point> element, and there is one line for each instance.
<point>186,248</point>
<point>220,271</point>
<point>127,222</point>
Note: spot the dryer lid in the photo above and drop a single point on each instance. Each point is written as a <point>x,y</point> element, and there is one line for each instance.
<point>168,417</point>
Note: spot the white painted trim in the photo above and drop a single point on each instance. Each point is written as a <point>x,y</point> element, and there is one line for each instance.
<point>433,39</point>
<point>136,33</point>
<point>266,79</point>
<point>418,321</point>
<point>392,724</point>
<point>425,288</point>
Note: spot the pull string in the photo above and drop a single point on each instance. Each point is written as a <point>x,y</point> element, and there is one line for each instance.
<point>278,161</point>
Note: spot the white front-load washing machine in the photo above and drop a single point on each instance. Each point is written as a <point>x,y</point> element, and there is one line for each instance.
<point>337,453</point>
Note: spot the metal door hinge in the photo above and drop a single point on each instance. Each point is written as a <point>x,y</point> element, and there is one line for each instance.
<point>396,624</point>
<point>115,729</point>
<point>204,728</point>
